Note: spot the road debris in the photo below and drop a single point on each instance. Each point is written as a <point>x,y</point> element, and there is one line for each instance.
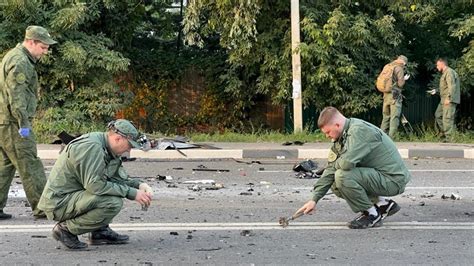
<point>202,181</point>
<point>284,221</point>
<point>38,236</point>
<point>453,196</point>
<point>246,233</point>
<point>174,233</point>
<point>246,193</point>
<point>210,170</point>
<point>208,249</point>
<point>307,169</point>
<point>427,195</point>
<point>164,177</point>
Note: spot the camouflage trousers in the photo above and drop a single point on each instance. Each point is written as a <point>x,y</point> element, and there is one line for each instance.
<point>84,212</point>
<point>391,112</point>
<point>445,116</point>
<point>361,187</point>
<point>17,153</point>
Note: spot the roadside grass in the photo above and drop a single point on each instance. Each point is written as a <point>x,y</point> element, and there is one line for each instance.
<point>266,136</point>
<point>426,135</point>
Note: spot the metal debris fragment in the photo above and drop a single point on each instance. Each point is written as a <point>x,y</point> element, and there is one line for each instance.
<point>208,249</point>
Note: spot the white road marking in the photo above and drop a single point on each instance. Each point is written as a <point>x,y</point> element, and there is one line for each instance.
<point>413,170</point>
<point>249,226</point>
<point>442,170</point>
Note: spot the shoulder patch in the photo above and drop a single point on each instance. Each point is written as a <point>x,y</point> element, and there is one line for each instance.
<point>20,78</point>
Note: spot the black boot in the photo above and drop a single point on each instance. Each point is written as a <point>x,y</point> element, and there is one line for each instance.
<point>105,235</point>
<point>69,240</point>
<point>4,216</point>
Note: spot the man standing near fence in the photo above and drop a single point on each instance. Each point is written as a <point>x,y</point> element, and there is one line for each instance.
<point>450,93</point>
<point>391,81</point>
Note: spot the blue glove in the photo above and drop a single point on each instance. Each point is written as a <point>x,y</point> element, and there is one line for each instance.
<point>24,132</point>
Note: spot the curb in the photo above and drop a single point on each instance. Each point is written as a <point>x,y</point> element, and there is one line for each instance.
<point>53,154</point>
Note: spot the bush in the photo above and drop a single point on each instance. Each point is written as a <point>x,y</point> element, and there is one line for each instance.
<point>54,120</point>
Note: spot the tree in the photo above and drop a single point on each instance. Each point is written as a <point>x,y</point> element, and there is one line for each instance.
<point>77,78</point>
<point>344,46</point>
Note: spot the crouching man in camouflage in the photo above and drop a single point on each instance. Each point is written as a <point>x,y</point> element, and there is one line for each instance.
<point>87,184</point>
<point>364,167</point>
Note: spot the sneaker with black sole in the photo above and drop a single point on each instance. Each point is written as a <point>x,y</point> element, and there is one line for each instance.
<point>366,220</point>
<point>388,209</point>
<point>107,236</point>
<point>5,216</point>
<point>62,234</point>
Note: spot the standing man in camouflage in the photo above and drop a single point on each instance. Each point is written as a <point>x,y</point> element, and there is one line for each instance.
<point>450,93</point>
<point>87,184</point>
<point>392,98</point>
<point>364,167</point>
<point>18,100</point>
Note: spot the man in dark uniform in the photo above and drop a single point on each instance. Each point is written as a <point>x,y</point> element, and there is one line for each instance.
<point>18,100</point>
<point>364,167</point>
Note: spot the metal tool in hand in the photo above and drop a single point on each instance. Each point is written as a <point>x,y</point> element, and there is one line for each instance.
<point>284,221</point>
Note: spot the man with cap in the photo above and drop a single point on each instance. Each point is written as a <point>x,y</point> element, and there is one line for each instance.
<point>18,101</point>
<point>87,184</point>
<point>392,100</point>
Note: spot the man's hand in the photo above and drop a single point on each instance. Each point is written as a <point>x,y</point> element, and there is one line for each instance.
<point>432,92</point>
<point>146,188</point>
<point>24,132</point>
<point>447,101</point>
<point>143,198</point>
<point>406,77</point>
<point>307,207</point>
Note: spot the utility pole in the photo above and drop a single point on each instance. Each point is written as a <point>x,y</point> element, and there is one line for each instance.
<point>296,63</point>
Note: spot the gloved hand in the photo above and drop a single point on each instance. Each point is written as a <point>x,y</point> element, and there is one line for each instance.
<point>146,188</point>
<point>24,132</point>
<point>406,77</point>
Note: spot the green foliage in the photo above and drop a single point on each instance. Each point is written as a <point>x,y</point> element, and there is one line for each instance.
<point>55,120</point>
<point>77,77</point>
<point>127,55</point>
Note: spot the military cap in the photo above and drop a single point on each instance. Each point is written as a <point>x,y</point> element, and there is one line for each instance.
<point>126,129</point>
<point>403,58</point>
<point>39,34</point>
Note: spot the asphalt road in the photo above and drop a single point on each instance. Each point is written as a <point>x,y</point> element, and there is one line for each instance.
<point>238,224</point>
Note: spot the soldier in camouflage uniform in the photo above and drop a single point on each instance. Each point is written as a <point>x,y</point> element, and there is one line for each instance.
<point>18,100</point>
<point>450,93</point>
<point>392,101</point>
<point>364,167</point>
<point>87,184</point>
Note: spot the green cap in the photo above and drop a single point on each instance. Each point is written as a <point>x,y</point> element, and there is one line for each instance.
<point>39,34</point>
<point>126,129</point>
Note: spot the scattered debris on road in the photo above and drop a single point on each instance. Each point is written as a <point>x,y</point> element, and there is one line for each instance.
<point>307,169</point>
<point>208,249</point>
<point>453,196</point>
<point>246,233</point>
